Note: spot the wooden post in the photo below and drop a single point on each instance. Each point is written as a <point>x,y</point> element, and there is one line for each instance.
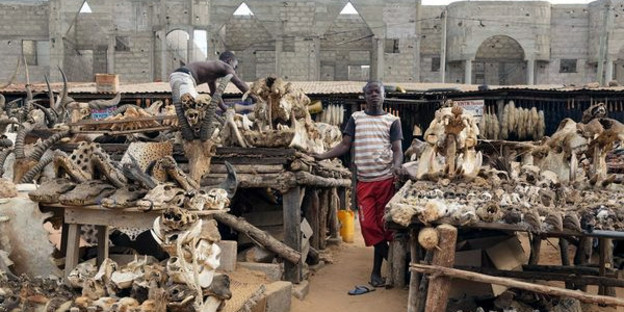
<point>64,232</point>
<point>582,256</point>
<point>102,244</point>
<point>292,232</point>
<point>399,255</point>
<point>536,247</point>
<point>423,286</point>
<point>313,217</point>
<point>437,295</point>
<point>324,208</point>
<point>73,243</point>
<point>334,203</point>
<point>606,262</point>
<point>565,257</point>
<point>415,250</point>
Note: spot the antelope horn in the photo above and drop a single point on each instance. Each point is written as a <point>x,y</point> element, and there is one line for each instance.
<point>207,127</point>
<point>185,128</point>
<point>45,145</point>
<point>50,116</point>
<point>19,140</point>
<point>51,96</point>
<point>100,104</point>
<point>4,154</point>
<point>30,174</point>
<point>65,99</point>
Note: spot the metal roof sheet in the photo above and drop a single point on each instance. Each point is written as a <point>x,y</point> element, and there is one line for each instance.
<point>309,87</point>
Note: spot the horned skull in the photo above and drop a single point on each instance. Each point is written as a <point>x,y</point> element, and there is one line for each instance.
<point>217,199</point>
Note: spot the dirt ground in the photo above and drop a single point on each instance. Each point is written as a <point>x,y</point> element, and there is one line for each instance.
<point>352,264</point>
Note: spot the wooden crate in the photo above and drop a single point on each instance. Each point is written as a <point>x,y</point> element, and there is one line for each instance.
<point>106,83</point>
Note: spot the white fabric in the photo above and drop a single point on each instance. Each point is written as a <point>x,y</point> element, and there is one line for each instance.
<point>187,85</point>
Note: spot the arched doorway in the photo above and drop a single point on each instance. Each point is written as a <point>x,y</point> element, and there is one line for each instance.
<point>618,67</point>
<point>499,61</point>
<point>177,49</point>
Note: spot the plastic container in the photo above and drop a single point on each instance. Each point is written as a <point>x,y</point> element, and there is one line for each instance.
<point>347,225</point>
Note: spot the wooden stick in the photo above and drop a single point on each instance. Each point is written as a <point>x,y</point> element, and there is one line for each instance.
<point>398,259</point>
<point>437,295</point>
<point>323,210</point>
<point>549,290</point>
<point>261,237</point>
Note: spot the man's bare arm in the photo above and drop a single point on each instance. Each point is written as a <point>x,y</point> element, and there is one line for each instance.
<point>397,158</point>
<point>338,150</point>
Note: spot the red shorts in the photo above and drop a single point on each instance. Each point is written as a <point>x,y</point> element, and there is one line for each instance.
<point>372,198</point>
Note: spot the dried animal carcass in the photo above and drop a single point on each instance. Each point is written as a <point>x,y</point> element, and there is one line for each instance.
<point>452,134</point>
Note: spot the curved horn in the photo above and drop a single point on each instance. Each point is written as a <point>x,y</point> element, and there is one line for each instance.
<point>45,145</point>
<point>2,102</point>
<point>50,116</point>
<point>3,156</point>
<point>185,128</point>
<point>51,96</point>
<point>19,140</point>
<point>208,127</point>
<point>65,99</point>
<point>231,181</point>
<point>100,104</point>
<point>30,174</point>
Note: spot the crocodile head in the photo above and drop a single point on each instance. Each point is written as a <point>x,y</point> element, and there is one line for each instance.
<point>88,193</point>
<point>49,191</point>
<point>124,197</point>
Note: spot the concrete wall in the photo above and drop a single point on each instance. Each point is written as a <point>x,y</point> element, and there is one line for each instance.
<point>23,22</point>
<point>309,40</point>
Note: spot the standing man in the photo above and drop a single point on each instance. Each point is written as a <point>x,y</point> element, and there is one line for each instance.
<point>376,137</point>
<point>195,73</point>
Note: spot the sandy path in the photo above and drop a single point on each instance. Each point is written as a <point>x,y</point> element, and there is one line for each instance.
<point>352,265</point>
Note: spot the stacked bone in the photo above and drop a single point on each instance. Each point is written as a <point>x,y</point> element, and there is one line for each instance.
<point>450,146</point>
<point>132,117</point>
<point>280,119</point>
<point>185,282</point>
<point>524,123</point>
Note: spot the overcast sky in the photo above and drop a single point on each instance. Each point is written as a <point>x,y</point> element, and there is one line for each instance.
<point>442,2</point>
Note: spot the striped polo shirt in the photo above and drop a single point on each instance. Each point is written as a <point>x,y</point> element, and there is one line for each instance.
<point>372,142</point>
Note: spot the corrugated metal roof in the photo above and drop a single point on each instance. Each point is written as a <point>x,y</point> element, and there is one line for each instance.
<point>309,87</point>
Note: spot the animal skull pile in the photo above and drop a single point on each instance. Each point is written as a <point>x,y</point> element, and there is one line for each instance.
<point>544,205</point>
<point>280,119</point>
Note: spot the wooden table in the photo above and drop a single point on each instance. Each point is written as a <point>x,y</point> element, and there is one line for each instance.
<point>103,219</point>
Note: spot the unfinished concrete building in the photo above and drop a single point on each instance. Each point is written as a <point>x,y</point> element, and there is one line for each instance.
<point>478,42</point>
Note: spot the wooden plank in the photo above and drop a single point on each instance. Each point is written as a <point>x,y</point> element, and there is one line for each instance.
<point>73,243</point>
<point>292,230</point>
<point>548,276</point>
<point>549,290</point>
<point>117,218</point>
<point>439,286</point>
<point>102,244</point>
<point>242,168</point>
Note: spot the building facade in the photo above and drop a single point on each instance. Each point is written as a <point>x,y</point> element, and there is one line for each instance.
<point>476,42</point>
